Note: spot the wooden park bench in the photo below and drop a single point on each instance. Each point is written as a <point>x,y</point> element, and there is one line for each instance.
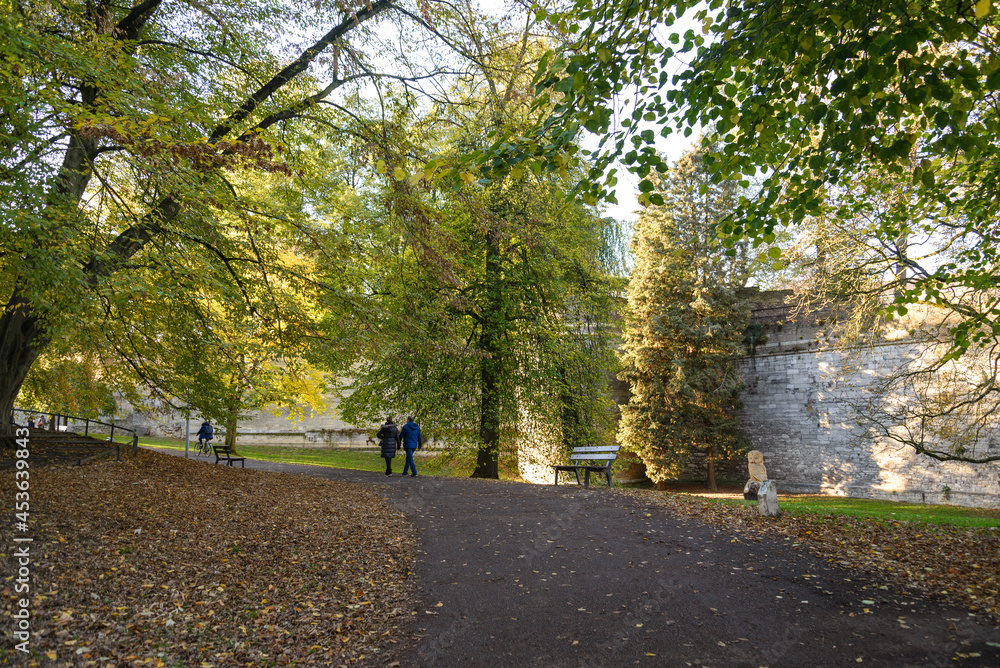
<point>225,453</point>
<point>600,458</point>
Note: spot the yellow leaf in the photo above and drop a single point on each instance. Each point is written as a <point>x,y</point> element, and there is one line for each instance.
<point>380,166</point>
<point>52,655</point>
<point>399,173</point>
<point>983,8</point>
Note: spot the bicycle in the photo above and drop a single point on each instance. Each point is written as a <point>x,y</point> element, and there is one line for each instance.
<point>204,447</point>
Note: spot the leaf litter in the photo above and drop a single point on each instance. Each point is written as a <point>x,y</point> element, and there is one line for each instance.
<point>161,561</point>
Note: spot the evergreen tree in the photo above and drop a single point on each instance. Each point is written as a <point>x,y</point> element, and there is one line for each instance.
<point>684,326</point>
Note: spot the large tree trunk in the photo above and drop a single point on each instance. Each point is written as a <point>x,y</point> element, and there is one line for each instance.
<point>490,369</point>
<point>488,457</point>
<point>21,340</point>
<point>710,460</point>
<point>569,414</point>
<point>231,425</point>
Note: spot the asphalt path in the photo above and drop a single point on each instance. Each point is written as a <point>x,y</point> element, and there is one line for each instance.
<point>512,574</point>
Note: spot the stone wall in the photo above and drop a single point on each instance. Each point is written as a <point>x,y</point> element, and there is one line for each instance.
<point>315,430</point>
<point>797,411</point>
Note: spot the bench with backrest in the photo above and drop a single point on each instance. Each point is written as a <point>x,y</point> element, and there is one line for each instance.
<point>225,453</point>
<point>594,458</point>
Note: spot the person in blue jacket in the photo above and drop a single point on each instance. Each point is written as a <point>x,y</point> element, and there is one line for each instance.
<point>204,434</point>
<point>410,437</point>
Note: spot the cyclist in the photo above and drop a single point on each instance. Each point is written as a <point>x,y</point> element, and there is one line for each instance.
<point>205,436</point>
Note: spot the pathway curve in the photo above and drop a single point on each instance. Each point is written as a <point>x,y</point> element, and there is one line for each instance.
<point>528,575</point>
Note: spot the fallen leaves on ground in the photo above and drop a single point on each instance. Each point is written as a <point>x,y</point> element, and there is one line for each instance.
<point>162,561</point>
<point>960,565</point>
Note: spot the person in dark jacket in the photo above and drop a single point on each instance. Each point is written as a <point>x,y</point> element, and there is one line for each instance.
<point>388,437</point>
<point>411,440</point>
<point>205,434</point>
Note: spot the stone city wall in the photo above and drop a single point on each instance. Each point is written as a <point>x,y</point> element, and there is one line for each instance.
<point>797,411</point>
<point>315,430</point>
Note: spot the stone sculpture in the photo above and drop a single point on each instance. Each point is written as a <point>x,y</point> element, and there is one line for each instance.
<point>758,474</point>
<point>767,499</point>
<point>756,466</point>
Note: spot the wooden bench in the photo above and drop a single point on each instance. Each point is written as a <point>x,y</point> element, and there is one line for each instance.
<point>225,453</point>
<point>601,458</point>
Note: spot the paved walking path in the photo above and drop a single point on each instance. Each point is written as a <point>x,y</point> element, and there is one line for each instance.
<point>526,575</point>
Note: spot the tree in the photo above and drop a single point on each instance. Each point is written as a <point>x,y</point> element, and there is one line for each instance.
<point>126,133</point>
<point>515,328</point>
<point>684,327</point>
<point>70,384</point>
<point>489,324</point>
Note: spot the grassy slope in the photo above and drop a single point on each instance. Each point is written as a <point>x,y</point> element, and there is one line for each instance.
<point>342,459</point>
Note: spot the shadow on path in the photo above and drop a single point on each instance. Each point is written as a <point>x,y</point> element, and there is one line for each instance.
<point>513,574</point>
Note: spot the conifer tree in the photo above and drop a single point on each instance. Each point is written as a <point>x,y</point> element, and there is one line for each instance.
<point>684,326</point>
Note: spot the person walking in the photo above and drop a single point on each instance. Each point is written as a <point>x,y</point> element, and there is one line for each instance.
<point>410,437</point>
<point>388,437</point>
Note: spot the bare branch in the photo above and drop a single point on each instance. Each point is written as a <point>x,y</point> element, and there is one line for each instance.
<point>295,68</point>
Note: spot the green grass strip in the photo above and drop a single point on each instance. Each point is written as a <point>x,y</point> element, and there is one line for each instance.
<point>898,511</point>
<point>336,458</point>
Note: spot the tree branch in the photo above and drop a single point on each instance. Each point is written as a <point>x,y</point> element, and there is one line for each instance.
<point>295,68</point>
<point>130,26</point>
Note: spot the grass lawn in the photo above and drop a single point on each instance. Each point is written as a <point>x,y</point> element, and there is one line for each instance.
<point>897,511</point>
<point>820,504</point>
<point>434,465</point>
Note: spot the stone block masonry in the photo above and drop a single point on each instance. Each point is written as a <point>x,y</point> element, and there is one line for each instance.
<point>798,412</point>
